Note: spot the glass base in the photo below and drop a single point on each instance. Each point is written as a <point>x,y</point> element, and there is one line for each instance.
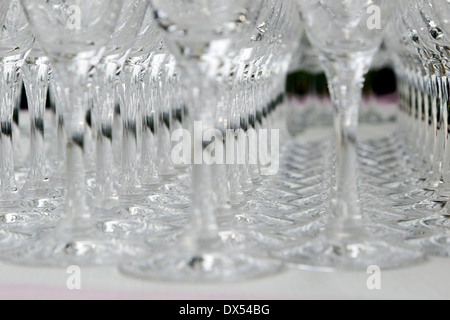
<point>266,213</point>
<point>40,195</point>
<point>259,221</point>
<point>433,235</point>
<point>18,230</point>
<point>21,220</point>
<point>200,266</point>
<point>121,228</point>
<point>438,245</point>
<point>64,247</point>
<point>353,249</point>
<point>171,195</point>
<point>151,229</point>
<point>169,201</point>
<point>260,240</point>
<point>10,240</point>
<point>259,231</point>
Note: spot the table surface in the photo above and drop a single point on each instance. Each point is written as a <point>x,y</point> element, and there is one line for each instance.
<point>429,280</point>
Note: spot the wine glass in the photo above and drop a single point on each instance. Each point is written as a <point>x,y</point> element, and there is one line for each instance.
<point>442,37</point>
<point>346,46</point>
<point>425,194</point>
<point>105,80</point>
<point>421,92</point>
<point>272,206</point>
<point>73,34</point>
<point>127,211</point>
<point>163,112</point>
<point>427,25</point>
<point>129,94</point>
<point>38,191</point>
<point>435,37</point>
<point>415,156</point>
<point>16,41</point>
<point>200,34</point>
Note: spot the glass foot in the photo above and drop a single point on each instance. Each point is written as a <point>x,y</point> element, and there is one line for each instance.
<point>218,263</point>
<point>10,240</point>
<point>141,229</point>
<point>354,249</point>
<point>200,267</point>
<point>172,201</point>
<point>18,230</point>
<point>438,245</point>
<point>40,195</point>
<point>65,247</point>
<point>21,220</point>
<point>433,235</point>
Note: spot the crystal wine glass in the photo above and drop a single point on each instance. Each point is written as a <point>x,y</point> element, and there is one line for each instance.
<point>105,81</point>
<point>38,191</point>
<point>127,213</point>
<point>16,41</point>
<point>200,34</point>
<point>421,157</point>
<point>427,24</point>
<point>346,46</point>
<point>73,34</point>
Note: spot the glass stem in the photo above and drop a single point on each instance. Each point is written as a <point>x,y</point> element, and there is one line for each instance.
<point>415,117</point>
<point>422,119</point>
<point>203,225</point>
<point>8,85</point>
<point>203,219</point>
<point>255,165</point>
<point>346,79</point>
<point>72,79</point>
<point>104,117</point>
<point>18,102</point>
<point>439,95</point>
<point>165,124</point>
<point>430,133</point>
<point>75,198</point>
<point>36,77</point>
<point>149,173</point>
<point>129,102</point>
<point>59,149</point>
<point>446,115</point>
<point>245,177</point>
